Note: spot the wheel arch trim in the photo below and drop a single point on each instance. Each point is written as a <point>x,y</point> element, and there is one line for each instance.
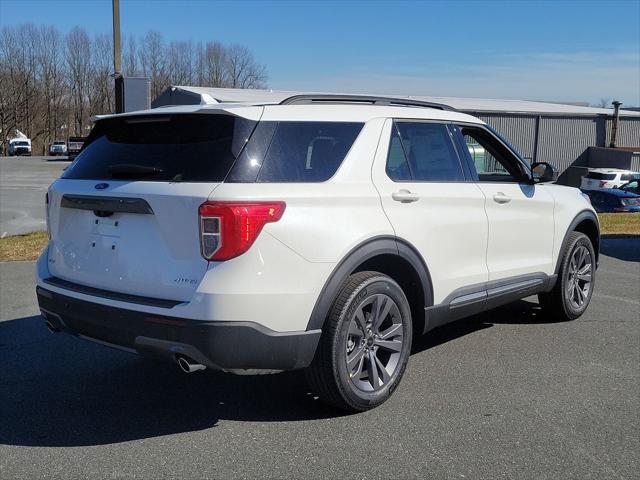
<point>577,220</point>
<point>364,251</point>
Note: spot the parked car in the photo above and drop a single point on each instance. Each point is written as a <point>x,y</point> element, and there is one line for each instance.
<point>632,187</point>
<point>599,178</point>
<point>613,200</point>
<point>321,233</point>
<point>19,146</point>
<point>58,148</point>
<point>74,145</point>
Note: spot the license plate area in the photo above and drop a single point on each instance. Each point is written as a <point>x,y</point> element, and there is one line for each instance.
<point>107,227</point>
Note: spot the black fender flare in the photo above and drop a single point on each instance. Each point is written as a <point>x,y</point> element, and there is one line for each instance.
<point>578,219</point>
<point>357,256</point>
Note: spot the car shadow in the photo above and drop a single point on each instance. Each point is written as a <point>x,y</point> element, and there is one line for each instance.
<point>56,390</point>
<point>622,248</point>
<point>520,312</point>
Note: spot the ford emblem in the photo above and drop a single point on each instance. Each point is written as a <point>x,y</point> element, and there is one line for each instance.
<point>101,186</point>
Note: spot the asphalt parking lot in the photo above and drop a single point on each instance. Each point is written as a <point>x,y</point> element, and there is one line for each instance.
<point>508,394</point>
<point>23,184</point>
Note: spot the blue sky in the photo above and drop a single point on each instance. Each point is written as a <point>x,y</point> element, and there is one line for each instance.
<point>571,50</point>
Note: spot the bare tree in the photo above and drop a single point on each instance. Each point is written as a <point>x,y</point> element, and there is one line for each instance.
<point>78,59</point>
<point>50,83</point>
<point>215,65</point>
<point>11,94</point>
<point>242,69</point>
<point>180,63</point>
<point>199,67</point>
<point>101,95</point>
<point>52,80</point>
<point>153,61</point>
<point>130,57</point>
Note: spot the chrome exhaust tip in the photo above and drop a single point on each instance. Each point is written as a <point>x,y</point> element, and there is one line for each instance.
<point>187,365</point>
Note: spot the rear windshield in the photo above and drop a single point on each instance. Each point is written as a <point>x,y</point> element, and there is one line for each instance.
<point>189,148</point>
<point>21,144</point>
<point>601,176</point>
<point>58,143</point>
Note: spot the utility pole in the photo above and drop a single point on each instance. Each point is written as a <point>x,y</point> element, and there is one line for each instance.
<point>117,58</point>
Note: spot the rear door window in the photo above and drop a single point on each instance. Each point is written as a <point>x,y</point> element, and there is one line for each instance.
<point>422,152</point>
<point>189,148</point>
<point>307,151</point>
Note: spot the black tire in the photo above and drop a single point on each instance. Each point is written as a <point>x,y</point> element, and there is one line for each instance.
<point>347,338</point>
<point>560,303</point>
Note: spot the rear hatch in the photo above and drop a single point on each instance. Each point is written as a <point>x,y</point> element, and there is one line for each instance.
<point>124,215</point>
<point>597,180</point>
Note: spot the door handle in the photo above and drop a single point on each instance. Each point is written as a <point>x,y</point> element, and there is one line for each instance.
<point>405,196</point>
<point>501,198</point>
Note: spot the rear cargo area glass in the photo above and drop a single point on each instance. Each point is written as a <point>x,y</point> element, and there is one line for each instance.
<point>179,148</point>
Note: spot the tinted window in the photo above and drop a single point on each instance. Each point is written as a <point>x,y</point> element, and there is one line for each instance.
<point>601,176</point>
<point>307,151</point>
<point>397,165</point>
<point>491,160</point>
<point>629,176</point>
<point>422,152</point>
<point>189,148</point>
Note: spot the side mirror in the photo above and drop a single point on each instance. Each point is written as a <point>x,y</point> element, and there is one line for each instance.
<point>542,172</point>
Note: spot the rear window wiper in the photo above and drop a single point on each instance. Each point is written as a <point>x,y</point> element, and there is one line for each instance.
<point>129,170</point>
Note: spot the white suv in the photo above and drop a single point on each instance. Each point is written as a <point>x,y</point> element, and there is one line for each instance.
<point>598,178</point>
<point>319,233</point>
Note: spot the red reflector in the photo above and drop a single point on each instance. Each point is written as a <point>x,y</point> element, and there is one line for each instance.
<point>46,213</point>
<point>228,229</point>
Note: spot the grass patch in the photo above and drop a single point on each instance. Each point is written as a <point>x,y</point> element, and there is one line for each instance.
<point>619,223</point>
<point>22,247</point>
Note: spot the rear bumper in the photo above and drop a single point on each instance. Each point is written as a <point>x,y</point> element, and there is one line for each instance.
<point>217,345</point>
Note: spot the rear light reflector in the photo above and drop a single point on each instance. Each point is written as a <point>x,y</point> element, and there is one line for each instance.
<point>46,214</point>
<point>228,229</point>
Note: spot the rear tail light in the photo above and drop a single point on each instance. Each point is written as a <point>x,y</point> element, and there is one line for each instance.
<point>228,229</point>
<point>603,184</point>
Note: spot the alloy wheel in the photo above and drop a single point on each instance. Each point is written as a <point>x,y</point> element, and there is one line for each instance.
<point>374,342</point>
<point>579,277</point>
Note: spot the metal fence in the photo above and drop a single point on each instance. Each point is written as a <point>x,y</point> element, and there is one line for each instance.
<point>562,141</point>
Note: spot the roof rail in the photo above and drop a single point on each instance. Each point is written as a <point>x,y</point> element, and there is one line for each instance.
<point>308,99</point>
